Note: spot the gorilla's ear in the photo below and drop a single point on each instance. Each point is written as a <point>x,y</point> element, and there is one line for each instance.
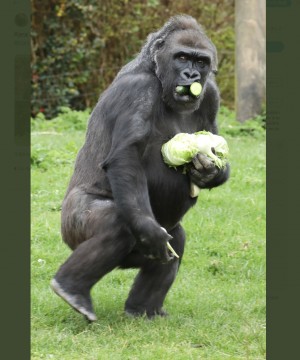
<point>155,47</point>
<point>157,44</point>
<point>160,43</point>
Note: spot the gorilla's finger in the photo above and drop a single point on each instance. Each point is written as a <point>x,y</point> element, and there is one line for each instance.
<point>209,175</point>
<point>196,162</point>
<point>198,178</point>
<point>196,175</point>
<point>205,161</point>
<point>166,256</point>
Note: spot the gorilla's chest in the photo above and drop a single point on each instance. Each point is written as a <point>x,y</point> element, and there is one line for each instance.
<point>171,181</point>
<point>169,188</point>
<point>169,124</point>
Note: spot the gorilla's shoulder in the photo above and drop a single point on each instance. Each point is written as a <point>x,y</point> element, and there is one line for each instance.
<point>138,79</point>
<point>134,86</point>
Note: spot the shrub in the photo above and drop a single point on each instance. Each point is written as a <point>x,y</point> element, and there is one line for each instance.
<point>79,46</point>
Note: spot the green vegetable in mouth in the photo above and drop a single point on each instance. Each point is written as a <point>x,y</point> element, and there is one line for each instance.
<point>181,90</point>
<point>195,89</point>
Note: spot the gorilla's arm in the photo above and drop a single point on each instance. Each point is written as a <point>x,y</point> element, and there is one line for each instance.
<point>127,178</point>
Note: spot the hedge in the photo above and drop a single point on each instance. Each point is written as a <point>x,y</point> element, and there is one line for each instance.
<point>79,46</point>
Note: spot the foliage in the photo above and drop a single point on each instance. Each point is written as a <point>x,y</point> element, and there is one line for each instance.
<point>66,119</point>
<point>217,304</point>
<point>79,46</point>
<point>255,127</point>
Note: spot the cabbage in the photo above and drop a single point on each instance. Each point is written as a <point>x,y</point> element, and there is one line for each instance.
<point>180,149</point>
<point>183,147</point>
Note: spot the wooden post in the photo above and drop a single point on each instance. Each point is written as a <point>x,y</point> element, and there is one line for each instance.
<point>250,27</point>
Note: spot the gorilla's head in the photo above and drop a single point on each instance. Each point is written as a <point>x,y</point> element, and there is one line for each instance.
<point>179,53</point>
<point>183,57</point>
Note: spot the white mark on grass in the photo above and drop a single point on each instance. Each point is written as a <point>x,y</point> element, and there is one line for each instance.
<point>42,262</point>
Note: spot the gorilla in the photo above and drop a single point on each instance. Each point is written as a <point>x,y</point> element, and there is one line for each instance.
<point>123,203</point>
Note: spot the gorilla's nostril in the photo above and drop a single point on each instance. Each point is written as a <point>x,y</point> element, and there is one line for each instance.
<point>190,75</point>
<point>186,75</point>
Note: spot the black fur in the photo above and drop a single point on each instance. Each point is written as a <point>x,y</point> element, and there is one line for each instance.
<point>123,202</point>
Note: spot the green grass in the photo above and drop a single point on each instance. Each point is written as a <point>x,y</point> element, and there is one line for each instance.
<point>217,303</point>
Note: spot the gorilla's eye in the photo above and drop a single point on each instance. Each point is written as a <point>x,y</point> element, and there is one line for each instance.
<point>183,58</point>
<point>201,62</point>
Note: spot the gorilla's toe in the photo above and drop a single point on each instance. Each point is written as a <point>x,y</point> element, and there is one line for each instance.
<point>150,314</point>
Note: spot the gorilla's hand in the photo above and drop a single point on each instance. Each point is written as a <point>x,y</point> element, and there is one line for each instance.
<point>152,240</point>
<point>203,171</point>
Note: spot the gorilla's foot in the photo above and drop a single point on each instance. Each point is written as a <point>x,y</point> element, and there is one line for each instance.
<point>150,314</point>
<point>79,302</point>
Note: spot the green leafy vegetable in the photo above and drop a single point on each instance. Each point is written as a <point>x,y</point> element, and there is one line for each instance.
<point>183,147</point>
<point>181,90</point>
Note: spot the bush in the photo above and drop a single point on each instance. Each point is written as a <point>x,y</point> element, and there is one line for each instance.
<point>79,46</point>
<point>66,119</point>
<point>228,125</point>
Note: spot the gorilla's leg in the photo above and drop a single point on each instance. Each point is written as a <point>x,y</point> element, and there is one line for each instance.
<point>107,245</point>
<point>154,281</point>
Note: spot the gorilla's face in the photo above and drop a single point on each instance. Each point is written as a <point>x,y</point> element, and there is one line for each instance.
<point>184,59</point>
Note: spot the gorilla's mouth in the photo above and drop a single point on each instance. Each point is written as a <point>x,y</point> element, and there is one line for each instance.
<point>182,93</point>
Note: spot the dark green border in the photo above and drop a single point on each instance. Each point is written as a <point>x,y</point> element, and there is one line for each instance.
<point>15,179</point>
<point>283,180</point>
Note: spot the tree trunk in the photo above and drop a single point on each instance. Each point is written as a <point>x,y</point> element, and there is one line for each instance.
<point>250,27</point>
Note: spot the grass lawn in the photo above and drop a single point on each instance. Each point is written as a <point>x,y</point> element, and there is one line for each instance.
<point>217,303</point>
